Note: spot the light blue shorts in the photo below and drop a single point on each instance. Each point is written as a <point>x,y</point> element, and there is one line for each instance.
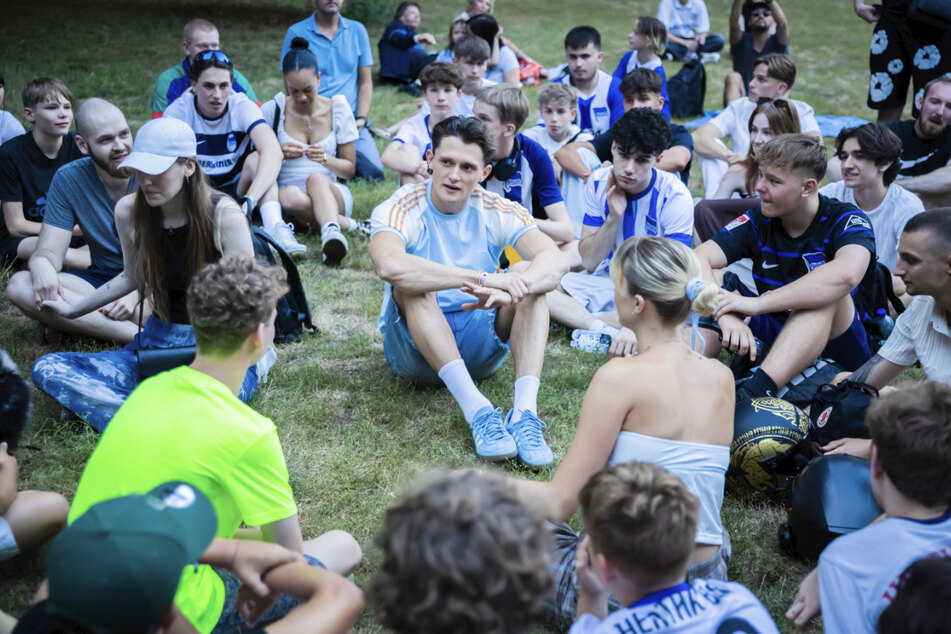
<point>8,545</point>
<point>594,291</point>
<point>479,345</point>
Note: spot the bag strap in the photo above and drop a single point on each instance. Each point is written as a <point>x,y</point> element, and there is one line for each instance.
<point>219,212</point>
<point>293,277</point>
<point>277,116</point>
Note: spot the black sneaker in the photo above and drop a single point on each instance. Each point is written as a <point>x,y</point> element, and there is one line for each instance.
<point>412,89</point>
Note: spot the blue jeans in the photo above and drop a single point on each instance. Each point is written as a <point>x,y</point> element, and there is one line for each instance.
<point>369,164</point>
<point>712,44</point>
<point>94,385</point>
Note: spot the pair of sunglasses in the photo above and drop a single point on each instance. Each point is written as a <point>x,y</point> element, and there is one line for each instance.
<point>760,12</point>
<point>209,55</point>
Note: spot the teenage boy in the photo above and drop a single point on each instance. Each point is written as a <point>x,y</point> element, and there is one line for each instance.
<point>911,451</point>
<point>557,110</point>
<point>627,198</point>
<point>469,543</point>
<point>640,88</point>
<point>470,58</point>
<point>757,28</point>
<point>343,52</point>
<point>406,154</point>
<point>814,268</point>
<point>446,318</point>
<point>688,30</point>
<point>869,161</point>
<point>226,124</point>
<point>200,35</point>
<point>116,569</point>
<point>773,78</point>
<point>599,97</point>
<point>83,193</point>
<point>187,424</point>
<point>27,165</point>
<point>641,522</point>
<point>521,170</point>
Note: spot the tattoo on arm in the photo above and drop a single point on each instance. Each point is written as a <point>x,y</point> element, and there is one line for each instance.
<point>861,375</point>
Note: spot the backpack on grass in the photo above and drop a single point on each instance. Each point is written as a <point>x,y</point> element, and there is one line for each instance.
<point>293,312</point>
<point>687,89</point>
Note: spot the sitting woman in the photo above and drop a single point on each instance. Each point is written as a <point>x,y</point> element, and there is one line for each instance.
<point>172,226</point>
<point>771,117</point>
<point>503,64</point>
<point>668,405</point>
<point>317,137</point>
<point>401,53</point>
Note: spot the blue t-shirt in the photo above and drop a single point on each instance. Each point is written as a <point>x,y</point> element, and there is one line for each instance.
<point>339,59</point>
<point>78,197</point>
<point>599,110</point>
<point>629,62</point>
<point>533,182</point>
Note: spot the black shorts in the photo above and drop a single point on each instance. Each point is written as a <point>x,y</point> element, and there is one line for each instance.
<point>95,277</point>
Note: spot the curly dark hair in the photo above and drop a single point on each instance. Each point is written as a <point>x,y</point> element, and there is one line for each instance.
<point>641,132</point>
<point>462,554</point>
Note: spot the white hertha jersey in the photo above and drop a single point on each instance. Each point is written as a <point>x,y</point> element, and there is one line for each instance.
<point>706,607</point>
<point>599,110</point>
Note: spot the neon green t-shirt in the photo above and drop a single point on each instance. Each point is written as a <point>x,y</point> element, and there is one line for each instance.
<point>185,425</point>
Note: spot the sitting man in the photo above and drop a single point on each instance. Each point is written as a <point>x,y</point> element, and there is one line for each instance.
<point>84,193</point>
<point>599,99</point>
<point>688,31</point>
<point>627,198</point>
<point>188,425</point>
<point>116,569</point>
<point>226,124</point>
<point>468,542</point>
<point>641,523</point>
<point>757,28</point>
<point>446,318</point>
<point>814,267</point>
<point>406,154</point>
<point>926,146</point>
<point>200,35</point>
<point>27,165</point>
<point>868,157</point>
<point>773,78</point>
<point>911,451</point>
<point>521,170</point>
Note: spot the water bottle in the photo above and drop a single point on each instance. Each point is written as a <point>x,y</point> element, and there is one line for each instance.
<point>590,341</point>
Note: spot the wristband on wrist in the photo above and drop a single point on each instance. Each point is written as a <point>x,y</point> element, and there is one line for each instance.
<point>360,117</point>
<point>482,275</point>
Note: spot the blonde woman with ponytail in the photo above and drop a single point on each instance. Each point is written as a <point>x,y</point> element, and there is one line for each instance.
<point>667,405</point>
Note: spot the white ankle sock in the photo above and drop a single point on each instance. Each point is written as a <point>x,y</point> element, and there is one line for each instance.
<point>526,396</point>
<point>270,213</point>
<point>599,326</point>
<point>456,377</point>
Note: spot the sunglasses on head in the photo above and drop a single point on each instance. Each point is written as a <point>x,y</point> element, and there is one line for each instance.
<point>209,55</point>
<point>779,103</point>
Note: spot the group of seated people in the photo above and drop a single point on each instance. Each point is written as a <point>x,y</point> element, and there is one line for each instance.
<point>584,219</point>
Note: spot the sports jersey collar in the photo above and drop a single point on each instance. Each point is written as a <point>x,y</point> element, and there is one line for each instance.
<point>186,66</point>
<point>312,26</point>
<point>934,520</point>
<point>660,595</point>
<point>441,214</point>
<point>647,190</point>
<point>219,117</point>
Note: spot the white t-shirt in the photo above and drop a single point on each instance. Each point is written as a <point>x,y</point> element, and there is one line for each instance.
<point>9,127</point>
<point>473,238</point>
<point>539,134</point>
<point>734,120</point>
<point>416,132</point>
<point>600,108</point>
<point>705,607</point>
<point>665,208</point>
<point>684,20</point>
<point>888,219</point>
<point>464,105</point>
<point>855,587</point>
<point>921,333</point>
<point>222,142</point>
<point>343,129</point>
<point>507,62</point>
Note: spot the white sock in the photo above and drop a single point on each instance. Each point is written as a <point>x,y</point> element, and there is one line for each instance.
<point>599,326</point>
<point>456,377</point>
<point>270,213</point>
<point>526,396</point>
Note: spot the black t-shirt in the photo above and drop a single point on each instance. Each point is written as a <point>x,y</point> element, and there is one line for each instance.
<point>678,136</point>
<point>26,173</point>
<point>744,55</point>
<point>917,155</point>
<point>779,259</point>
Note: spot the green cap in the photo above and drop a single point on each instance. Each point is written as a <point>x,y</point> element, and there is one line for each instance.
<point>117,567</point>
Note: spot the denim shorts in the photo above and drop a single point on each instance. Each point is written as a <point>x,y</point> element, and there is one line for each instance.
<point>230,621</point>
<point>479,345</point>
<point>8,545</point>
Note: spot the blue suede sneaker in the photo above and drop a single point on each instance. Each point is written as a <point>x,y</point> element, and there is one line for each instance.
<point>527,431</point>
<point>492,441</point>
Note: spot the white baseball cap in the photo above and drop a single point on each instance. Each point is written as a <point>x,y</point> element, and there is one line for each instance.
<point>159,143</point>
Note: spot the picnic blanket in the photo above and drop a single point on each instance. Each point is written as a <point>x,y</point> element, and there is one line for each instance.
<point>829,125</point>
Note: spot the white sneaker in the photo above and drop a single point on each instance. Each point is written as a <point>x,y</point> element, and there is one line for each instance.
<point>265,363</point>
<point>710,58</point>
<point>283,234</point>
<point>333,243</point>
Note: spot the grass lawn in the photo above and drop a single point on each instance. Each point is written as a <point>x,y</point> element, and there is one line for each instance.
<point>355,435</point>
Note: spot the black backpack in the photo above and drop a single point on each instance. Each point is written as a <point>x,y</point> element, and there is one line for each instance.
<point>687,90</point>
<point>293,313</point>
<point>875,318</point>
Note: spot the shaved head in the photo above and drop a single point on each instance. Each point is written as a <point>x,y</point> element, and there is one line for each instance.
<point>198,24</point>
<point>92,114</point>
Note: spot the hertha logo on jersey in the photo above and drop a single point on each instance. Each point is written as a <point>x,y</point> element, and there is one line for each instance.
<point>232,143</point>
<point>742,220</point>
<point>857,221</point>
<point>813,260</point>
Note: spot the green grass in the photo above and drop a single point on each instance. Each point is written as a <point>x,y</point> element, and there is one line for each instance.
<point>355,435</point>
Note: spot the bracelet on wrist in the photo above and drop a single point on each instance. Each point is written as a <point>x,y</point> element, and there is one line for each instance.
<point>360,117</point>
<point>482,275</point>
